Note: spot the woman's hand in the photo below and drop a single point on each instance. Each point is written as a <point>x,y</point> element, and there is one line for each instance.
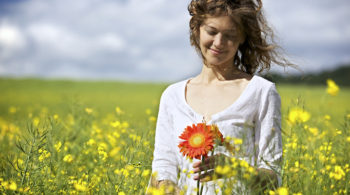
<point>170,188</point>
<point>208,166</point>
<point>265,178</point>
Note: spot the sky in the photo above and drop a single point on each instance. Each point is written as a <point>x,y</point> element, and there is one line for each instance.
<point>137,40</point>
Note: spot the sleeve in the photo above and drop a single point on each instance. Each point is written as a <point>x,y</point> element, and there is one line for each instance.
<point>164,157</point>
<point>268,138</point>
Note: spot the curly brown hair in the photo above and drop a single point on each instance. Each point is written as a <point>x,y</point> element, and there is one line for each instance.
<point>258,50</point>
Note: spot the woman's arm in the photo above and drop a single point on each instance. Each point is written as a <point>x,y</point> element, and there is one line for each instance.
<point>164,164</point>
<point>268,139</point>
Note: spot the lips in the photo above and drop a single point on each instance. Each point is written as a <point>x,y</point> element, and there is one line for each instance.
<point>216,52</point>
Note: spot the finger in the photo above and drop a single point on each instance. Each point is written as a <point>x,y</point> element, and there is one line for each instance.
<point>209,163</point>
<point>196,164</point>
<point>203,167</point>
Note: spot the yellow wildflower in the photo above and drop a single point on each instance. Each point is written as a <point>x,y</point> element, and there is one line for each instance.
<point>146,172</point>
<point>125,172</point>
<point>4,183</point>
<point>282,191</point>
<point>222,170</point>
<point>58,146</point>
<point>91,142</point>
<point>36,121</point>
<point>118,172</point>
<point>125,124</point>
<point>80,187</point>
<point>12,110</point>
<point>298,115</point>
<point>12,186</point>
<point>103,146</point>
<point>244,164</point>
<point>88,110</point>
<point>114,151</point>
<point>129,167</point>
<point>44,154</point>
<point>279,191</point>
<point>333,159</point>
<point>152,118</point>
<point>147,143</point>
<point>101,151</point>
<point>148,111</point>
<point>118,111</point>
<point>68,158</point>
<point>348,139</point>
<point>155,191</point>
<point>313,130</point>
<point>19,161</point>
<point>115,124</point>
<point>338,173</point>
<point>237,141</point>
<point>332,87</point>
<point>327,117</point>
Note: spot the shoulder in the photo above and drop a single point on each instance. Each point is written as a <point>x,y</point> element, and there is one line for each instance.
<point>263,83</point>
<point>175,90</point>
<point>265,89</point>
<point>263,86</point>
<point>268,98</point>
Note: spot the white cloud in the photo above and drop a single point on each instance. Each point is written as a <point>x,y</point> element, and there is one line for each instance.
<point>110,41</point>
<point>58,41</point>
<point>148,40</point>
<point>11,40</point>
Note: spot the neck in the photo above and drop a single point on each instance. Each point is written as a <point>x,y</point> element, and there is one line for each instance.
<point>211,74</point>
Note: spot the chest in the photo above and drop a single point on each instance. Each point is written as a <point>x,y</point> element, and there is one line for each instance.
<point>209,100</point>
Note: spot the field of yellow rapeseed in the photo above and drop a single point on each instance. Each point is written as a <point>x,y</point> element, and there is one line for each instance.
<point>97,138</point>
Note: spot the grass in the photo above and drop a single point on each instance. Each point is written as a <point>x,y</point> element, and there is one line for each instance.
<point>74,137</point>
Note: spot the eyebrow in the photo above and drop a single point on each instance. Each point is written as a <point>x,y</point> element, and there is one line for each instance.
<point>229,30</point>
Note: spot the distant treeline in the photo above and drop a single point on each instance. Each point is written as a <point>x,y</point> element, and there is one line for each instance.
<point>340,75</point>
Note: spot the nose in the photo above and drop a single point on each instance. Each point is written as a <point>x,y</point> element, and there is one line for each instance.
<point>218,41</point>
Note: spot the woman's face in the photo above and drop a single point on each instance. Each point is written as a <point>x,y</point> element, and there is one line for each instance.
<point>219,39</point>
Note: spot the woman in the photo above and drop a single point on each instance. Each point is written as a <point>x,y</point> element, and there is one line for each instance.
<point>232,38</point>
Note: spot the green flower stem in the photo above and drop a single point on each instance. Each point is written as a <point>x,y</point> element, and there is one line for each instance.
<point>198,181</point>
<point>201,191</point>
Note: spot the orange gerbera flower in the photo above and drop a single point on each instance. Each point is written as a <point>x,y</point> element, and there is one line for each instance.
<point>198,140</point>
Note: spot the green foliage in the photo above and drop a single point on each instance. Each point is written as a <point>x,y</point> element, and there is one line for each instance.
<point>97,137</point>
<point>339,75</point>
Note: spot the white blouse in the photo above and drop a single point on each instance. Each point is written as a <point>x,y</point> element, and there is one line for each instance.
<point>254,117</point>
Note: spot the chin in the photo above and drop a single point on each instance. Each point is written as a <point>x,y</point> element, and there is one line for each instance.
<point>217,63</point>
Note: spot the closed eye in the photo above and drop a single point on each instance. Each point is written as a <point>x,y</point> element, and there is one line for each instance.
<point>211,32</point>
<point>231,36</point>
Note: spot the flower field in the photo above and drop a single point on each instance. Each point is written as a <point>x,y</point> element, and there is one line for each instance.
<point>74,137</point>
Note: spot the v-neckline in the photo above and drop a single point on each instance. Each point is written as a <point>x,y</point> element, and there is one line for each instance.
<point>213,116</point>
